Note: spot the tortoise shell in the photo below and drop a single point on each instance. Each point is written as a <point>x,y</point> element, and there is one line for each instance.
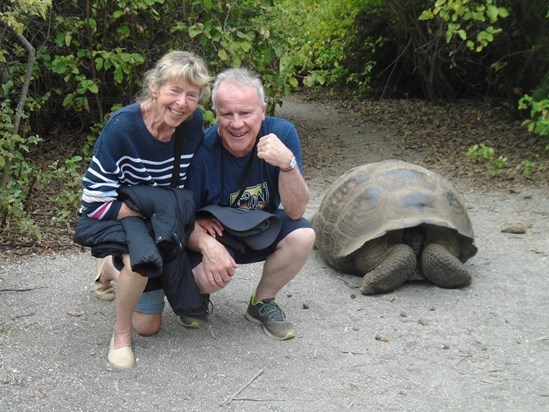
<point>371,200</point>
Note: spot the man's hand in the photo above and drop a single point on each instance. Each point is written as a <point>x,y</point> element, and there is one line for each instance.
<point>271,149</point>
<point>219,266</point>
<point>210,225</point>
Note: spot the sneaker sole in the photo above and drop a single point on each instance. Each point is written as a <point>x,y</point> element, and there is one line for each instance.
<point>289,335</point>
<point>193,325</point>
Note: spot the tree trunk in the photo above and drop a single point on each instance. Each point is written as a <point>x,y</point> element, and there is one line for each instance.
<point>22,98</point>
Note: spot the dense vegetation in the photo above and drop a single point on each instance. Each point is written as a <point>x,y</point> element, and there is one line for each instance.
<point>66,64</point>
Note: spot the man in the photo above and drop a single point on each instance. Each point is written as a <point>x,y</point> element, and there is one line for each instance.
<point>245,138</point>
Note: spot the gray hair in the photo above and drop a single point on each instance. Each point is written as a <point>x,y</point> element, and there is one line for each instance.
<point>242,77</point>
<point>174,66</point>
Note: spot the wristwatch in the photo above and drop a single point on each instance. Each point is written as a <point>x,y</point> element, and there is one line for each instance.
<point>293,163</point>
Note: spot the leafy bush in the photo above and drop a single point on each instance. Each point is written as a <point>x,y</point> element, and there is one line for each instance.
<point>538,123</point>
<point>319,33</point>
<point>18,174</point>
<point>91,60</point>
<point>486,154</point>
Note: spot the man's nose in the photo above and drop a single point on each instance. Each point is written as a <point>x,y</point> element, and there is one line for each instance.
<point>236,121</point>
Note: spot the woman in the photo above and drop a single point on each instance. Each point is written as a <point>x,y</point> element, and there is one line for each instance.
<point>136,147</point>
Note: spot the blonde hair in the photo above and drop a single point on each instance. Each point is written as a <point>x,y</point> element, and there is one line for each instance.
<point>177,65</point>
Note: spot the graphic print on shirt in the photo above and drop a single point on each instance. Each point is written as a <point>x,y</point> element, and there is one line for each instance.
<point>254,197</point>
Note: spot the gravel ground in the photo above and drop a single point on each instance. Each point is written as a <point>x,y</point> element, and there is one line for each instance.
<point>480,348</point>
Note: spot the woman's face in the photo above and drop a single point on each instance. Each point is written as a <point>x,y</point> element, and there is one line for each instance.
<point>239,113</point>
<point>175,101</point>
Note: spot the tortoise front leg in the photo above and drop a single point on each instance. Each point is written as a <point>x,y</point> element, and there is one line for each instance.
<point>443,268</point>
<point>398,265</point>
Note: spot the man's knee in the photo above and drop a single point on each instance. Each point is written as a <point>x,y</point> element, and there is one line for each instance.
<point>145,324</point>
<point>301,240</point>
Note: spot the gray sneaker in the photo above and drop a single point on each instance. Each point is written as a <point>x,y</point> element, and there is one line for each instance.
<point>269,315</point>
<point>197,318</point>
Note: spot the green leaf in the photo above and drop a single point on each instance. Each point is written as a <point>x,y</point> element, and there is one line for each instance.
<point>59,66</point>
<point>124,31</point>
<point>503,12</point>
<point>194,31</point>
<point>208,26</point>
<point>222,54</point>
<point>492,13</point>
<point>246,46</point>
<point>60,38</point>
<point>179,27</point>
<point>99,63</point>
<point>426,15</point>
<point>236,62</point>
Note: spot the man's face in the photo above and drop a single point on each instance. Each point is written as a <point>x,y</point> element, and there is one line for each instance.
<point>239,115</point>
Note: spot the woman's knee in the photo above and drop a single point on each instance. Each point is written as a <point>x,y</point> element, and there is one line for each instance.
<point>146,324</point>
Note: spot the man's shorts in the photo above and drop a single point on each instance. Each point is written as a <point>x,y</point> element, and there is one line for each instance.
<point>152,300</point>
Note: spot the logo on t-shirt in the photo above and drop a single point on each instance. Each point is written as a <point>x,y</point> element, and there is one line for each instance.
<point>254,197</point>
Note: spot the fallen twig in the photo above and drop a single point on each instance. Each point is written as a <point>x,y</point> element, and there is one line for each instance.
<point>21,289</point>
<point>234,395</point>
<point>348,283</point>
<point>24,315</point>
<point>474,377</point>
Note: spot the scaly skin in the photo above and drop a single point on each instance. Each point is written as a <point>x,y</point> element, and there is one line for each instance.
<point>398,265</point>
<point>443,268</point>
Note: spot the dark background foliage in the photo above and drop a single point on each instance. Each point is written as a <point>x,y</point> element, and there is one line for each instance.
<point>90,58</point>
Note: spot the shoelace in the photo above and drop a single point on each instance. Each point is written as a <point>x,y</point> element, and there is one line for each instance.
<point>271,310</point>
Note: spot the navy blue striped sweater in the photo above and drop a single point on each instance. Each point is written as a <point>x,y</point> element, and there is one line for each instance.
<point>126,153</point>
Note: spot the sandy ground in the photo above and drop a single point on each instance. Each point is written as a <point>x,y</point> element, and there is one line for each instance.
<point>481,348</point>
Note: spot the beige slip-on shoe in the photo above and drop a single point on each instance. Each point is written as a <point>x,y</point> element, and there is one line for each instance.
<point>102,291</point>
<point>122,357</point>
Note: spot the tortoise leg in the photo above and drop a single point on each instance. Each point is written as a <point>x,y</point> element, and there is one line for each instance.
<point>398,265</point>
<point>443,268</point>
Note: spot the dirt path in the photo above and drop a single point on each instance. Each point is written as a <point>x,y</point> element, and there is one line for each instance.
<point>481,348</point>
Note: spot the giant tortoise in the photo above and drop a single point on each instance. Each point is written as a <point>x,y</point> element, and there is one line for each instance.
<point>394,221</point>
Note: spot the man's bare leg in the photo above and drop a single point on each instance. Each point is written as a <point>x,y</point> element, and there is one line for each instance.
<point>285,262</point>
